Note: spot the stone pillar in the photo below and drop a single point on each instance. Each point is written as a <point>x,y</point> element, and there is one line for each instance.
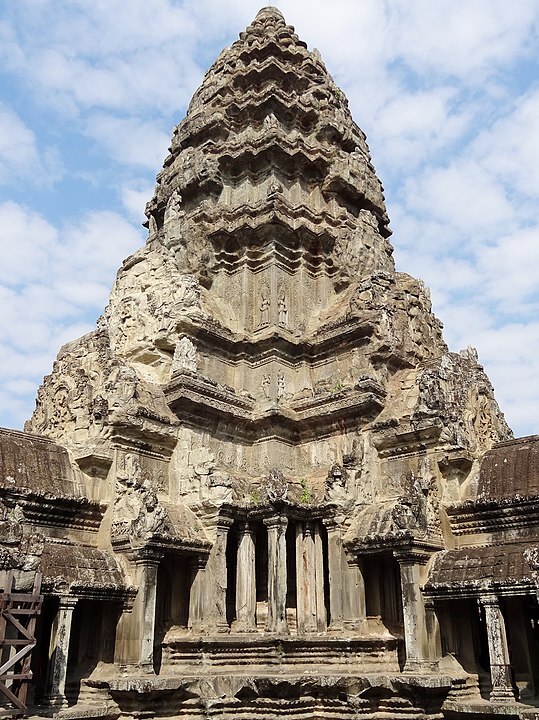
<point>433,631</point>
<point>277,574</point>
<point>196,594</point>
<point>335,562</point>
<point>246,581</point>
<point>57,671</point>
<point>500,668</point>
<point>301,579</point>
<point>355,617</point>
<point>145,605</point>
<point>310,579</point>
<point>321,616</point>
<point>216,578</point>
<point>413,608</point>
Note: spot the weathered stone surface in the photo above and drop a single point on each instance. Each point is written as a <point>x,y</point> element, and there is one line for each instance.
<point>272,476</point>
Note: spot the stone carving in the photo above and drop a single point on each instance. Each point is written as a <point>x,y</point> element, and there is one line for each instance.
<point>411,510</point>
<point>188,294</point>
<point>335,486</point>
<point>266,383</point>
<point>274,190</point>
<point>276,486</point>
<point>137,513</point>
<point>282,307</point>
<point>281,386</point>
<point>264,307</point>
<point>185,356</point>
<point>11,524</point>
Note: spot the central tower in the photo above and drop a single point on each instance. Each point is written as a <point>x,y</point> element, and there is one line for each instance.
<point>267,415</point>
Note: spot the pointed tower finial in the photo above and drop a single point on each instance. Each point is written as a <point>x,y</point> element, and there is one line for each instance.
<point>270,12</point>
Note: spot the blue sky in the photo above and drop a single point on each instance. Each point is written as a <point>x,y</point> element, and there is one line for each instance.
<point>446,90</point>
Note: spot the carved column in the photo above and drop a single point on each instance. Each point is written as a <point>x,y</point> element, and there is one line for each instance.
<point>277,574</point>
<point>335,576</point>
<point>500,668</point>
<point>246,581</point>
<point>196,594</point>
<point>216,577</point>
<point>413,609</point>
<point>59,653</point>
<point>433,631</point>
<point>301,579</point>
<point>321,616</point>
<point>310,579</point>
<point>355,616</point>
<point>145,604</point>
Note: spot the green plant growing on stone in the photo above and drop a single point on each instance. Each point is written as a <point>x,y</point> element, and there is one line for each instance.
<point>305,496</point>
<point>255,498</point>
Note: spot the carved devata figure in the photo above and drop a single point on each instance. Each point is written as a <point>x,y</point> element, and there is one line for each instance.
<point>185,356</point>
<point>276,486</point>
<point>137,514</point>
<point>264,306</point>
<point>282,307</point>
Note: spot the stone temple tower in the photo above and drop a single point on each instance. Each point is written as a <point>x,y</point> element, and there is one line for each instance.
<point>257,449</point>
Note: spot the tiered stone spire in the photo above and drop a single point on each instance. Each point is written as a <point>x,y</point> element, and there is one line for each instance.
<point>269,163</point>
<point>265,308</point>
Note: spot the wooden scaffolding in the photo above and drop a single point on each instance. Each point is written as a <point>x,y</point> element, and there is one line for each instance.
<point>18,615</point>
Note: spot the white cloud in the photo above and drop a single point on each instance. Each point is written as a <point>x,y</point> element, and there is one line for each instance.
<point>470,40</point>
<point>463,195</point>
<point>104,54</point>
<point>417,125</point>
<point>19,155</point>
<point>510,148</point>
<point>27,241</point>
<point>134,198</point>
<point>130,141</point>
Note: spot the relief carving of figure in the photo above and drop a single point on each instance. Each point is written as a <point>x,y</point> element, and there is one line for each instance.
<point>137,513</point>
<point>335,485</point>
<point>188,294</point>
<point>122,387</point>
<point>282,308</point>
<point>185,356</point>
<point>276,486</point>
<point>266,382</point>
<point>274,190</point>
<point>281,386</point>
<point>62,414</point>
<point>173,206</point>
<point>152,226</point>
<point>264,306</point>
<point>173,219</point>
<point>11,524</point>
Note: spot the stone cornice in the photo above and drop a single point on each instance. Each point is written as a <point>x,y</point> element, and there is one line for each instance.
<point>393,441</point>
<point>477,589</point>
<point>276,341</point>
<point>193,397</point>
<point>493,516</point>
<point>56,511</point>
<point>154,548</point>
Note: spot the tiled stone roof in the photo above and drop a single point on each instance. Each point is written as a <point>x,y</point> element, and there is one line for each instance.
<point>481,567</point>
<point>510,469</point>
<point>35,464</point>
<point>67,567</point>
